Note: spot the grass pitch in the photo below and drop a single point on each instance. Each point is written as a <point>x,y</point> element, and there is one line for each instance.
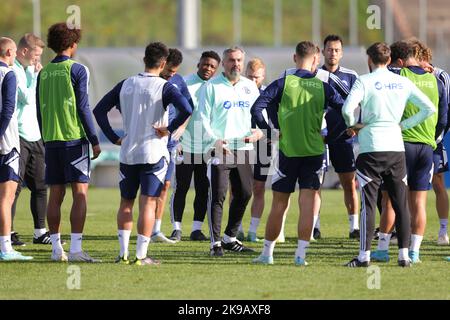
<point>188,272</point>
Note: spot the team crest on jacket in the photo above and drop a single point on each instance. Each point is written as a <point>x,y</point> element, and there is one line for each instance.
<point>246,90</point>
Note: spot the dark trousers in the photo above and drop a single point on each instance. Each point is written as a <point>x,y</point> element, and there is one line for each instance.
<point>192,164</point>
<point>389,168</point>
<point>239,173</point>
<point>32,173</point>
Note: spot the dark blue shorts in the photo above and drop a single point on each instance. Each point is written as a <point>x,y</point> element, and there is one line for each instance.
<point>67,165</point>
<point>307,171</point>
<point>440,159</point>
<point>9,166</point>
<point>342,157</point>
<point>171,166</point>
<point>150,177</point>
<point>419,164</point>
<point>263,161</point>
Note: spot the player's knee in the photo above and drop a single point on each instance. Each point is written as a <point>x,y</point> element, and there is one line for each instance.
<point>258,190</point>
<point>438,183</point>
<point>80,196</point>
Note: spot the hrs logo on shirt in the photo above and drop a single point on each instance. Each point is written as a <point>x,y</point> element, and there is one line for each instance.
<point>237,104</point>
<point>388,86</point>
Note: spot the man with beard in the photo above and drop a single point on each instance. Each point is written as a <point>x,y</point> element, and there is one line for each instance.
<point>224,107</point>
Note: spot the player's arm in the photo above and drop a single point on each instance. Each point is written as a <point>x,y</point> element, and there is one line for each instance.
<point>80,81</point>
<point>171,95</point>
<point>352,102</point>
<point>333,98</point>
<point>109,101</point>
<point>185,92</point>
<point>269,99</point>
<point>421,101</point>
<point>8,101</point>
<point>38,106</point>
<point>445,78</point>
<point>205,104</point>
<point>442,110</point>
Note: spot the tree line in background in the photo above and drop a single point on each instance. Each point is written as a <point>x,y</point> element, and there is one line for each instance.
<point>107,23</point>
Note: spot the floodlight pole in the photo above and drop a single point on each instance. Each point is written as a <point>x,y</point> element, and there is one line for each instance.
<point>189,23</point>
<point>36,17</point>
<point>423,11</point>
<point>237,21</point>
<point>353,22</point>
<point>316,21</point>
<point>277,23</point>
<point>389,21</point>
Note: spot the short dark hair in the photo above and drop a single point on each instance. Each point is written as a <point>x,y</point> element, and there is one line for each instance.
<point>305,49</point>
<point>175,57</point>
<point>379,53</point>
<point>332,37</point>
<point>30,41</point>
<point>60,37</point>
<point>210,54</point>
<point>401,50</point>
<point>155,53</point>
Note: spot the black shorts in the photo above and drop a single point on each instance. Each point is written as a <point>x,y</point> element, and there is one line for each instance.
<point>307,171</point>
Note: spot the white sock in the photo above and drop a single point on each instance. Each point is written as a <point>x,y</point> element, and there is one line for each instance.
<point>5,244</point>
<point>227,239</point>
<point>383,241</point>
<point>364,256</point>
<point>301,248</point>
<point>56,242</point>
<point>241,229</point>
<point>268,248</point>
<point>416,241</point>
<point>443,227</point>
<point>142,246</point>
<point>177,225</point>
<point>197,225</point>
<point>403,254</point>
<point>254,223</point>
<point>353,222</point>
<point>39,232</point>
<point>75,242</point>
<point>317,224</point>
<point>124,240</point>
<point>157,226</point>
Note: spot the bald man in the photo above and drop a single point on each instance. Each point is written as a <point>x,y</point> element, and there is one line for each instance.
<point>9,148</point>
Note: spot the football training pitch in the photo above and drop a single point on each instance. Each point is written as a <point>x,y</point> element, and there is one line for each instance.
<point>188,272</point>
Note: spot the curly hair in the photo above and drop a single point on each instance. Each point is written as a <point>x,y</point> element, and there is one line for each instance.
<point>60,37</point>
<point>421,51</point>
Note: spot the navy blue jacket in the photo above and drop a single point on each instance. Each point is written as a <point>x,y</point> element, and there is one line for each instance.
<point>9,88</point>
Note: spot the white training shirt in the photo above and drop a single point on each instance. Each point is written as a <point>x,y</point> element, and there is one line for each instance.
<point>142,107</point>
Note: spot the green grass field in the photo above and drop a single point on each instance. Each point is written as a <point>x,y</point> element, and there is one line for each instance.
<point>187,271</point>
